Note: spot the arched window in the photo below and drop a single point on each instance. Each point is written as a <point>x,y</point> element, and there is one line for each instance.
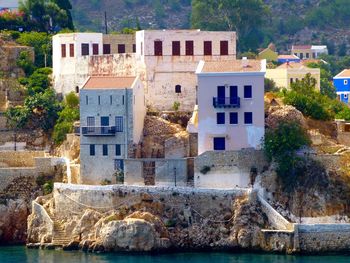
<point>178,89</point>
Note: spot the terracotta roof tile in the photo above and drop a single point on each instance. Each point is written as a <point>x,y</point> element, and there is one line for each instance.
<point>344,74</point>
<point>109,82</point>
<point>232,66</point>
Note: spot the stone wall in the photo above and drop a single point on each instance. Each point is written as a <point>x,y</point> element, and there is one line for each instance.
<point>7,175</point>
<point>75,199</point>
<point>227,169</point>
<point>19,158</point>
<point>165,172</point>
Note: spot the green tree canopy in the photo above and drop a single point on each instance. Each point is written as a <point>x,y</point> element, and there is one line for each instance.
<point>246,17</point>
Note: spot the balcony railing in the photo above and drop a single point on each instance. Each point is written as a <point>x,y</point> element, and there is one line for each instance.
<point>231,102</point>
<point>98,131</point>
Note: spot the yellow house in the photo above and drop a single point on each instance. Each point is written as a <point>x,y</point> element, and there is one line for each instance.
<point>287,73</point>
<point>268,53</point>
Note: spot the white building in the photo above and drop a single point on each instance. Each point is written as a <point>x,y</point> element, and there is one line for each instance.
<point>76,56</point>
<point>169,59</point>
<point>112,111</point>
<point>230,105</point>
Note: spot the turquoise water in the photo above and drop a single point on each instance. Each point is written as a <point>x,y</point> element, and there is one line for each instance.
<point>22,255</point>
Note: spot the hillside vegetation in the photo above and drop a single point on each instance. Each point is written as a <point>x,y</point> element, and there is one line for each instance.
<point>286,22</point>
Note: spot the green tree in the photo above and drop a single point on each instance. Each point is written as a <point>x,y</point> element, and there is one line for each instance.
<point>25,62</point>
<point>246,17</point>
<point>38,82</point>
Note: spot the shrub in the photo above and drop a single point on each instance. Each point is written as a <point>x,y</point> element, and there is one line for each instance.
<point>176,106</point>
<point>48,187</point>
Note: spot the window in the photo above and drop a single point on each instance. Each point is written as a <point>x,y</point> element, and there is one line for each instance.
<point>99,100</point>
<point>219,143</point>
<point>104,149</point>
<point>345,95</point>
<point>106,49</point>
<point>176,48</point>
<point>178,89</point>
<point>119,165</point>
<point>95,49</point>
<point>104,121</point>
<point>90,121</point>
<point>119,124</point>
<point>134,48</point>
<point>307,55</point>
<point>92,149</point>
<point>121,48</point>
<point>345,82</point>
<point>71,50</point>
<point>248,92</point>
<point>189,48</point>
<point>223,48</point>
<point>301,55</point>
<point>118,150</point>
<point>291,80</point>
<point>110,99</point>
<point>123,100</point>
<point>87,100</point>
<point>63,50</point>
<point>207,48</point>
<point>248,118</point>
<point>158,48</point>
<point>220,118</point>
<point>76,89</point>
<point>233,117</point>
<point>84,49</point>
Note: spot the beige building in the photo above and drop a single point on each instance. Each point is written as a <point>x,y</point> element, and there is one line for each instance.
<point>169,59</point>
<point>287,73</point>
<point>308,51</point>
<point>230,105</point>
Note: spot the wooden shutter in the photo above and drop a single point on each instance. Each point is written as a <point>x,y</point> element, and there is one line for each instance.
<point>223,48</point>
<point>207,48</point>
<point>121,48</point>
<point>106,49</point>
<point>95,49</point>
<point>158,48</point>
<point>63,50</point>
<point>84,49</point>
<point>176,48</point>
<point>71,50</point>
<point>189,48</point>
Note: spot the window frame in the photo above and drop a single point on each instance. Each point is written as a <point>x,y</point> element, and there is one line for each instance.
<point>245,91</point>
<point>224,144</point>
<point>176,48</point>
<point>346,82</point>
<point>236,118</point>
<point>246,115</point>
<point>119,123</point>
<point>92,150</point>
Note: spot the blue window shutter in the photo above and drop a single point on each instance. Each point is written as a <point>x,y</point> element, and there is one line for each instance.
<point>119,124</point>
<point>248,117</point>
<point>118,151</point>
<point>248,92</point>
<point>105,149</point>
<point>105,121</point>
<point>220,118</point>
<point>233,117</point>
<point>92,149</point>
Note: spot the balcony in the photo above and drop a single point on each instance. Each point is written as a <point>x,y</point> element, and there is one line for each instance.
<point>98,131</point>
<point>231,102</point>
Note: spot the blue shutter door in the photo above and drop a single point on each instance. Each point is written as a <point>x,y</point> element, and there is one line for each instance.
<point>219,143</point>
<point>221,94</point>
<point>105,121</point>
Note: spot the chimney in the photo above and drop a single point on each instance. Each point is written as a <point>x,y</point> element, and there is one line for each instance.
<point>244,62</point>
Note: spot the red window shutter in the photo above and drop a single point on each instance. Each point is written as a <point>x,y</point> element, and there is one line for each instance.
<point>223,48</point>
<point>71,50</point>
<point>63,50</point>
<point>84,49</point>
<point>158,48</point>
<point>106,49</point>
<point>176,48</point>
<point>121,48</point>
<point>207,48</point>
<point>189,48</point>
<point>95,49</point>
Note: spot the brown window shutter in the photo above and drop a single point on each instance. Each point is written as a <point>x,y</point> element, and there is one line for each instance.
<point>106,49</point>
<point>176,48</point>
<point>95,49</point>
<point>207,48</point>
<point>121,48</point>
<point>223,48</point>
<point>189,48</point>
<point>63,50</point>
<point>71,50</point>
<point>84,49</point>
<point>158,48</point>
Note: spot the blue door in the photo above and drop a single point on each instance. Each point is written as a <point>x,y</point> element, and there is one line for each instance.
<point>219,143</point>
<point>105,121</point>
<point>221,94</point>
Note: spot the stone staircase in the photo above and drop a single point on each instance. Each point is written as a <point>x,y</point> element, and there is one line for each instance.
<point>59,237</point>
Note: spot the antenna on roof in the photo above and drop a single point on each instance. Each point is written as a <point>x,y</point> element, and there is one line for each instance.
<point>106,27</point>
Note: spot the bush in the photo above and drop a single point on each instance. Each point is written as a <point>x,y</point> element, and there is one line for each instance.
<point>48,187</point>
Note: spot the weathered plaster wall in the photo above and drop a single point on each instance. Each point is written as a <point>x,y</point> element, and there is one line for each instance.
<point>114,39</point>
<point>227,169</point>
<point>19,158</point>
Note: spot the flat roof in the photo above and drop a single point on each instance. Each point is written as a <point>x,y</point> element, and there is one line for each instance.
<point>301,47</point>
<point>108,82</point>
<point>248,65</point>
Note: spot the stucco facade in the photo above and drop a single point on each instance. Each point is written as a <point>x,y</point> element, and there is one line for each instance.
<point>290,72</point>
<point>342,85</point>
<point>170,59</point>
<point>79,55</point>
<point>230,105</point>
<point>111,120</point>
<point>308,51</point>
